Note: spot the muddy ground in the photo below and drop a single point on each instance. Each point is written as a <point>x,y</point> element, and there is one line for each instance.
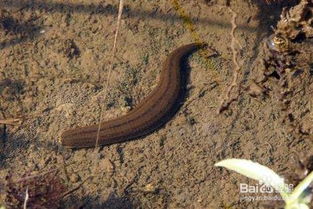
<point>55,58</point>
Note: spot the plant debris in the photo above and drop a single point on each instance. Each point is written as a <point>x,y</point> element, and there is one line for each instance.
<point>285,69</point>
<point>44,191</point>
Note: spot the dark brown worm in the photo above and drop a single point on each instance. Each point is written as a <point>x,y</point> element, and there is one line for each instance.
<point>150,114</point>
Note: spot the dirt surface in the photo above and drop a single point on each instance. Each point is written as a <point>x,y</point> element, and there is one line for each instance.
<point>55,59</point>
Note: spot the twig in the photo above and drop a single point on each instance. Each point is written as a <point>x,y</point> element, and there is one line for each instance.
<point>36,176</point>
<point>11,121</point>
<point>18,120</point>
<point>75,188</point>
<point>234,44</point>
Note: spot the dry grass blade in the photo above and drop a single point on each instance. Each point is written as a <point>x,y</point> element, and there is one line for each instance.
<point>120,11</point>
<point>26,198</point>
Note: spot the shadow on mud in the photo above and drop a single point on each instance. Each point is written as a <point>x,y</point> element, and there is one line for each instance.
<point>11,146</point>
<point>29,31</point>
<point>21,31</point>
<point>113,202</point>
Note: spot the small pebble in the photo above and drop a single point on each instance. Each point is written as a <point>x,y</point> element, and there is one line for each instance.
<point>74,178</point>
